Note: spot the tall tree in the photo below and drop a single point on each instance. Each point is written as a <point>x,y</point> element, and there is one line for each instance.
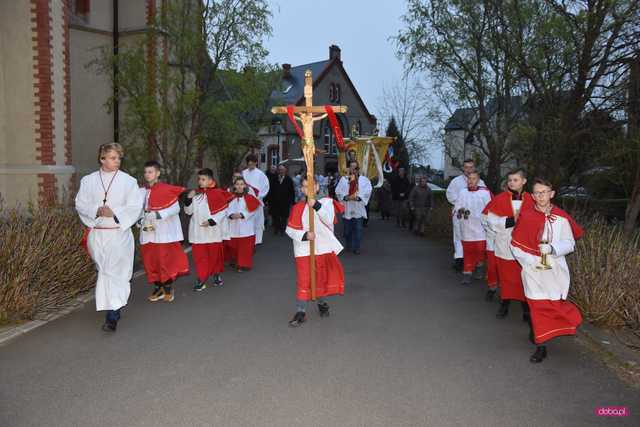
<point>573,57</point>
<point>407,103</point>
<point>164,80</point>
<point>400,151</point>
<point>457,43</point>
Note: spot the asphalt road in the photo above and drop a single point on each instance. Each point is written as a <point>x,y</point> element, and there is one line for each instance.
<point>406,346</point>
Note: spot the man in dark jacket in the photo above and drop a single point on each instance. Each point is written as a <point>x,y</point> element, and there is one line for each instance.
<point>421,203</point>
<point>281,197</point>
<point>400,187</point>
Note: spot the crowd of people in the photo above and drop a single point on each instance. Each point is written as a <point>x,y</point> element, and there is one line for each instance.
<point>515,241</point>
<point>225,226</point>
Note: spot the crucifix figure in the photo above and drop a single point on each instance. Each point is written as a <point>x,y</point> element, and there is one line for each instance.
<point>308,115</point>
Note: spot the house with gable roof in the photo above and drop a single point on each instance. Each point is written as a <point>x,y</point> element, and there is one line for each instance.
<point>331,85</point>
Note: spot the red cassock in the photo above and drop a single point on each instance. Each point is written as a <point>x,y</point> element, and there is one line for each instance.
<point>241,249</point>
<point>508,270</point>
<point>550,317</point>
<point>163,262</point>
<point>474,254</point>
<point>492,270</point>
<point>209,257</point>
<point>329,271</point>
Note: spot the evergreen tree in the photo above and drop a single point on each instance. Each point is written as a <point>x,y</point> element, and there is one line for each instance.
<point>399,148</point>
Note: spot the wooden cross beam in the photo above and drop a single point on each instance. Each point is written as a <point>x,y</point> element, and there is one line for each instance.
<point>308,114</point>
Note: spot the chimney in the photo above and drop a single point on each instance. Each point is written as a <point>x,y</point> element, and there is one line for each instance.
<point>334,52</point>
<point>286,70</point>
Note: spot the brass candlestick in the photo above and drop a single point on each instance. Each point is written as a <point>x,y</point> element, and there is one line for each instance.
<point>544,262</point>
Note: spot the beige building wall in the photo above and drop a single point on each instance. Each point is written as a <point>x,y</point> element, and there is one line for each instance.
<point>91,124</point>
<point>17,117</point>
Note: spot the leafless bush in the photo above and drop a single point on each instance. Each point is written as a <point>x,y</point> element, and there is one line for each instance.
<point>42,266</point>
<point>605,270</point>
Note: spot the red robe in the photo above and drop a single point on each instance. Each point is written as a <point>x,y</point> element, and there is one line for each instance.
<point>550,317</point>
<point>163,262</point>
<point>509,279</point>
<point>208,258</point>
<point>329,271</point>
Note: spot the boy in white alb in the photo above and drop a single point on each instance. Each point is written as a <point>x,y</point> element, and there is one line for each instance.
<point>259,183</point>
<point>470,203</point>
<point>161,234</point>
<point>242,232</point>
<point>457,184</point>
<point>329,274</point>
<point>109,203</point>
<point>208,208</point>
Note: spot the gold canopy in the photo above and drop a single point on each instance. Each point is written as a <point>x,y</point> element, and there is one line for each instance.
<point>361,147</point>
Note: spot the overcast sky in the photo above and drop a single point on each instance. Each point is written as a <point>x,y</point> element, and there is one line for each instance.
<point>303,30</point>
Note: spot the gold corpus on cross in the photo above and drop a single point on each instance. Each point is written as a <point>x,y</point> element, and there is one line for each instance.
<point>308,115</point>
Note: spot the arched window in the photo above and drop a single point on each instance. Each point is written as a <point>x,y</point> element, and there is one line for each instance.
<point>332,92</point>
<point>329,139</point>
<point>338,93</point>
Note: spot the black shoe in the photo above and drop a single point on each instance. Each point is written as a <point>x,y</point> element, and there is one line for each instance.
<point>489,295</point>
<point>298,319</point>
<point>323,309</point>
<point>539,355</point>
<point>466,279</point>
<point>110,326</point>
<point>503,310</point>
<point>526,313</point>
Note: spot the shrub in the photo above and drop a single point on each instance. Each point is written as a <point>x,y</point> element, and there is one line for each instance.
<point>604,276</point>
<point>42,266</point>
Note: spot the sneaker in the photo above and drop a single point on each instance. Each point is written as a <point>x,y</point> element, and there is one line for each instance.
<point>298,319</point>
<point>156,295</point>
<point>243,269</point>
<point>168,296</point>
<point>323,309</point>
<point>539,355</point>
<point>200,286</point>
<point>217,281</point>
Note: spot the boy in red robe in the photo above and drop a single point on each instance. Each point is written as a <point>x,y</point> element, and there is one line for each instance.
<point>241,228</point>
<point>329,272</point>
<point>541,239</point>
<point>161,234</point>
<point>207,207</point>
<point>502,215</point>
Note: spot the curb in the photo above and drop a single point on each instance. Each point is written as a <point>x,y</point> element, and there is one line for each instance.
<point>613,353</point>
<point>11,332</point>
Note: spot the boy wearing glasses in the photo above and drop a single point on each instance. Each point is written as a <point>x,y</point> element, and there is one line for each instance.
<point>470,203</point>
<point>541,239</point>
<point>354,191</point>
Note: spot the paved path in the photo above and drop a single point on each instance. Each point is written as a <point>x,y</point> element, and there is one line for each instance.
<point>406,346</point>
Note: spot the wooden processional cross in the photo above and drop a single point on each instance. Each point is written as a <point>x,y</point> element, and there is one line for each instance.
<point>308,115</point>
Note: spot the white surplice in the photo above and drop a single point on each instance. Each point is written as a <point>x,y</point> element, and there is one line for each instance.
<point>199,212</point>
<point>111,243</point>
<point>354,208</point>
<point>259,182</point>
<point>325,241</point>
<point>453,190</point>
